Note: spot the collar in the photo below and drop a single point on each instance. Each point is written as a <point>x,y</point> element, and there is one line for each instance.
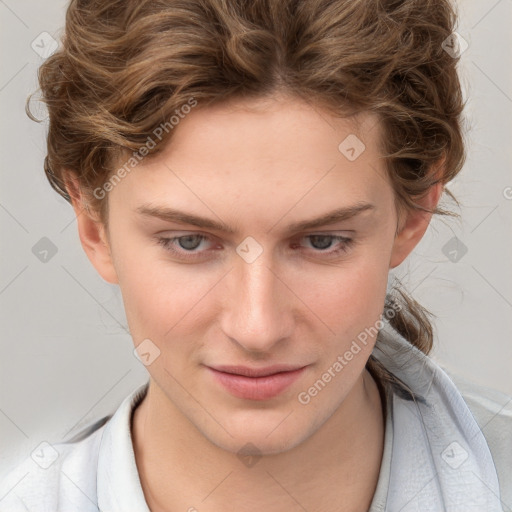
<point>118,482</point>
<point>440,458</point>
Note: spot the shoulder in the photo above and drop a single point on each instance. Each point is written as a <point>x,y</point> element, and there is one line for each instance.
<point>492,411</point>
<point>56,476</point>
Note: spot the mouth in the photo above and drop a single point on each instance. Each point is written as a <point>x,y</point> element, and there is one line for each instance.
<point>256,383</point>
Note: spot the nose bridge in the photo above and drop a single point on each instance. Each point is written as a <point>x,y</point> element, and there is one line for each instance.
<point>260,305</point>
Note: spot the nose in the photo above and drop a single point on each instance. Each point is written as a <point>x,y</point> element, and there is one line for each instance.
<point>258,313</point>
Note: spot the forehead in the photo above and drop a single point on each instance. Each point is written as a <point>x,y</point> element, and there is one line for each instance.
<point>260,151</point>
<point>269,127</point>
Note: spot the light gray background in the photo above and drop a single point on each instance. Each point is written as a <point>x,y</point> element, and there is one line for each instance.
<point>66,357</point>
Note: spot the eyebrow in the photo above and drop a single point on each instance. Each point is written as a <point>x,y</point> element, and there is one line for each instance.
<point>180,217</point>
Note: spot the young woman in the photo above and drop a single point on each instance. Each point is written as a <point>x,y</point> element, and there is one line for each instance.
<point>249,173</point>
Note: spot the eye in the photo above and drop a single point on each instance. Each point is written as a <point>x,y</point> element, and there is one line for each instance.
<point>322,242</point>
<point>189,242</point>
<point>183,246</point>
<point>192,246</point>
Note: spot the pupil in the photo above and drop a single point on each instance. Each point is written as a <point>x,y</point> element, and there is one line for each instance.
<point>187,242</point>
<point>323,238</point>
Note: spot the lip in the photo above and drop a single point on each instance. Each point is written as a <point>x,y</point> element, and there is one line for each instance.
<point>256,383</point>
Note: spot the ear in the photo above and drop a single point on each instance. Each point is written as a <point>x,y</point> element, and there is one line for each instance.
<point>91,231</point>
<point>413,225</point>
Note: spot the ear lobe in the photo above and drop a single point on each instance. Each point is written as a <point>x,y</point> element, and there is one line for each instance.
<point>414,226</point>
<point>91,231</point>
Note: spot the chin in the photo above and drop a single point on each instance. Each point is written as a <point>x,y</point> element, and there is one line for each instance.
<point>258,437</point>
<point>256,446</point>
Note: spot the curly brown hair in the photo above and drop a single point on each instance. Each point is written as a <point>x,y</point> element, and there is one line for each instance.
<point>126,66</point>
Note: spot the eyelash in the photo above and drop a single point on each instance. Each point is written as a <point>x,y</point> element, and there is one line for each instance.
<point>168,245</point>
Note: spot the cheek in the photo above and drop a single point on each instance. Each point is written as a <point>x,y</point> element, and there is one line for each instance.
<point>159,301</point>
<point>348,299</point>
<point>166,308</point>
<point>157,295</point>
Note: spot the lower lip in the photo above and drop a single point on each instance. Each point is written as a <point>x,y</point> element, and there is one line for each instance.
<point>257,388</point>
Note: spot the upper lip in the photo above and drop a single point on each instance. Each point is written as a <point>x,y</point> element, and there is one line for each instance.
<point>246,371</point>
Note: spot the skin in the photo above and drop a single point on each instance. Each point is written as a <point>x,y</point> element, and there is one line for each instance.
<point>258,167</point>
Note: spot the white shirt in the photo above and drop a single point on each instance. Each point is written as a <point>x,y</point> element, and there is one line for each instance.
<point>435,456</point>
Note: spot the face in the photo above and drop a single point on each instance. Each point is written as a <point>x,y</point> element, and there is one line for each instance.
<point>258,283</point>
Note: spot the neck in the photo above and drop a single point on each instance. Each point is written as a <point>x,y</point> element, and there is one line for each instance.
<point>182,470</point>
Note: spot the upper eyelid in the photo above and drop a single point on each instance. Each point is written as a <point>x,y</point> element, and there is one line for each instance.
<point>327,232</point>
